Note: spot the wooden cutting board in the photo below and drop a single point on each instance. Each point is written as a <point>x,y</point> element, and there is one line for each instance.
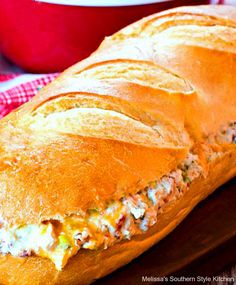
<point>204,244</point>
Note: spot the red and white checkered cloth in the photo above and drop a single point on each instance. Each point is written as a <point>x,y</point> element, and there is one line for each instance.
<point>16,89</point>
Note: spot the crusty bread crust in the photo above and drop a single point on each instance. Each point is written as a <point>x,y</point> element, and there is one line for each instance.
<point>111,124</point>
<point>89,265</point>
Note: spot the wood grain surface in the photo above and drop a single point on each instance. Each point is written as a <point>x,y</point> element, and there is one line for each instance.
<point>204,244</point>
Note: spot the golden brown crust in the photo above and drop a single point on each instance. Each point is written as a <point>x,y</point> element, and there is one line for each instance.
<point>91,180</point>
<point>89,265</point>
<point>114,122</point>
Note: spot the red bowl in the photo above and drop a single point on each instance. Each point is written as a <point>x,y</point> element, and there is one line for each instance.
<point>40,36</point>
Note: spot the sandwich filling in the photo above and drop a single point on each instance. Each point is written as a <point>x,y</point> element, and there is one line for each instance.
<point>133,214</point>
<point>97,228</point>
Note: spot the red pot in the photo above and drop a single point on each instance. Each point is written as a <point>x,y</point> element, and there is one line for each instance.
<point>48,37</point>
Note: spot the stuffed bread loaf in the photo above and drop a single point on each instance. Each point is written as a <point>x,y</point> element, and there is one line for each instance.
<point>111,156</point>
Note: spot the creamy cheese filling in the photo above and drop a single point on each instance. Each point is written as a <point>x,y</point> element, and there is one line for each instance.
<point>133,214</point>
<point>227,134</point>
<point>121,219</point>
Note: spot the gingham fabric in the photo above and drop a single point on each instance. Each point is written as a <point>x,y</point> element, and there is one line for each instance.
<point>16,89</point>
